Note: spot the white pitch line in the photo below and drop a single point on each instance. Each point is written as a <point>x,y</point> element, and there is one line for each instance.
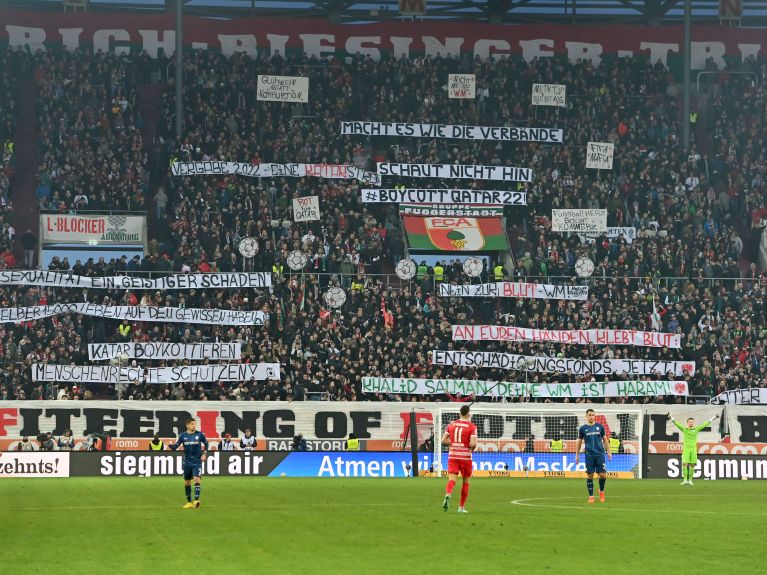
<point>603,507</point>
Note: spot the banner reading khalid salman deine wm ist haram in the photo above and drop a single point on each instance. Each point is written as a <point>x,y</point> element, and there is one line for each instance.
<point>455,234</point>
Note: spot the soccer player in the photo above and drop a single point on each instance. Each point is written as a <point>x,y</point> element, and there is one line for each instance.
<point>690,445</point>
<point>597,446</point>
<point>461,435</point>
<point>194,456</point>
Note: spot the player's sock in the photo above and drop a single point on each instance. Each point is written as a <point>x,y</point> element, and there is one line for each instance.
<point>450,486</point>
<point>188,489</point>
<point>688,473</point>
<point>602,481</point>
<point>590,487</point>
<point>464,493</point>
<point>196,491</point>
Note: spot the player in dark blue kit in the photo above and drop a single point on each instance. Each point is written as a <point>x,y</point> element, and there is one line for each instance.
<point>194,457</point>
<point>597,447</point>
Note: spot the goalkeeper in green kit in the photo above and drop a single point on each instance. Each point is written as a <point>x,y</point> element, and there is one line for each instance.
<point>690,445</point>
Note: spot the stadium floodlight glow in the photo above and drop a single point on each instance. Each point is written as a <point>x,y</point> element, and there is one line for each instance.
<point>248,247</point>
<point>472,267</point>
<point>406,269</point>
<point>296,260</point>
<point>584,267</point>
<point>335,297</point>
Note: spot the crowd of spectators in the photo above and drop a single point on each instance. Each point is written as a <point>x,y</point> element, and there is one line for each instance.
<point>9,74</point>
<point>698,216</point>
<point>91,156</point>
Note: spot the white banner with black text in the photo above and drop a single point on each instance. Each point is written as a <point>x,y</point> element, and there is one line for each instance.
<point>456,171</point>
<point>515,289</point>
<point>155,375</point>
<point>165,350</point>
<point>328,171</point>
<point>444,196</point>
<point>179,281</point>
<point>453,131</point>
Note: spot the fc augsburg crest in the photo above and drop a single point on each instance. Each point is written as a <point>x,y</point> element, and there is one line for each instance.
<point>455,234</point>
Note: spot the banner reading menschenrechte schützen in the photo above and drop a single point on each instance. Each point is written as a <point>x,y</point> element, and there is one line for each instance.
<point>452,131</point>
<point>515,289</point>
<point>456,171</point>
<point>576,366</point>
<point>570,337</point>
<point>328,171</point>
<point>479,388</point>
<point>179,281</point>
<point>135,313</point>
<point>444,196</point>
<point>158,375</point>
<point>165,350</point>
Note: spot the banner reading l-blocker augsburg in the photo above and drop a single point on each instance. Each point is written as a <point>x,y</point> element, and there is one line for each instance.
<point>594,389</point>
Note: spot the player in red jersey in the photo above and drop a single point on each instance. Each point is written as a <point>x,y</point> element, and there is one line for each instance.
<point>461,435</point>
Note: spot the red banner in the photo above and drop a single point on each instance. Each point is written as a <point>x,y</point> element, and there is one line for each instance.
<point>119,32</point>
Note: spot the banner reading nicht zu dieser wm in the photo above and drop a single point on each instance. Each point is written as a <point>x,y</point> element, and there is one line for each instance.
<point>455,234</point>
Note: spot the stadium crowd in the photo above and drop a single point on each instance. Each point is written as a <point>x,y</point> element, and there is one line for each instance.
<point>698,217</point>
<point>9,68</point>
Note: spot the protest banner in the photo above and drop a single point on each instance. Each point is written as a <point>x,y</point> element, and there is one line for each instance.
<point>229,280</point>
<point>306,209</point>
<point>599,155</point>
<point>461,86</point>
<point>456,171</point>
<point>748,396</point>
<point>594,221</point>
<point>444,196</point>
<point>451,210</point>
<point>549,95</point>
<point>165,350</point>
<point>328,171</point>
<point>507,389</point>
<point>94,229</point>
<point>515,289</point>
<point>453,131</point>
<point>155,375</point>
<point>135,313</point>
<point>575,366</point>
<point>282,88</point>
<point>570,337</point>
<point>611,233</point>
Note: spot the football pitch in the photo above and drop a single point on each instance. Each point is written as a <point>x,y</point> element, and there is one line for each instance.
<point>361,526</point>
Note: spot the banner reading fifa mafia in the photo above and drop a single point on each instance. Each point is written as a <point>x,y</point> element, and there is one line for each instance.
<point>570,337</point>
<point>444,196</point>
<point>155,375</point>
<point>456,171</point>
<point>328,171</point>
<point>179,281</point>
<point>515,289</point>
<point>453,131</point>
<point>509,389</point>
<point>575,366</point>
<point>191,351</point>
<point>135,313</point>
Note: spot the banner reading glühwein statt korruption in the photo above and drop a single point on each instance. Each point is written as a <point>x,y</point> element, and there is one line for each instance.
<point>515,289</point>
<point>571,337</point>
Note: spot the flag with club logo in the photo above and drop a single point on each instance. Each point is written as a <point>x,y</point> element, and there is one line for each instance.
<point>455,234</point>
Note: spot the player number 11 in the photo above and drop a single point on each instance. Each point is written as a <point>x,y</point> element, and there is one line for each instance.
<point>457,435</point>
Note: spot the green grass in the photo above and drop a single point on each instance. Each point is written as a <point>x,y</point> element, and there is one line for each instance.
<point>368,526</point>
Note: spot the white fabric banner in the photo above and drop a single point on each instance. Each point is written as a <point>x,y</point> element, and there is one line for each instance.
<point>135,313</point>
<point>461,86</point>
<point>159,375</point>
<point>570,337</point>
<point>164,350</point>
<point>329,171</point>
<point>599,155</point>
<point>596,367</point>
<point>92,229</point>
<point>453,131</point>
<point>594,221</point>
<point>549,95</point>
<point>749,396</point>
<point>521,390</point>
<point>180,281</point>
<point>306,209</point>
<point>515,289</point>
<point>456,171</point>
<point>282,88</point>
<point>444,196</point>
<point>612,233</point>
